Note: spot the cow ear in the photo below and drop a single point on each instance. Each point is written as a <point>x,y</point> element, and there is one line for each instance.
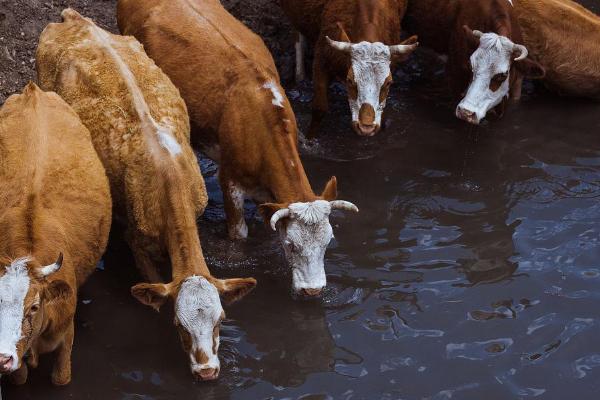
<point>151,294</point>
<point>330,191</point>
<point>531,69</point>
<point>268,209</point>
<point>57,290</point>
<point>232,290</point>
<point>343,35</point>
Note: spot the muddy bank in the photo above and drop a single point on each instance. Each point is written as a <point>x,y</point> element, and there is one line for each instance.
<point>22,21</point>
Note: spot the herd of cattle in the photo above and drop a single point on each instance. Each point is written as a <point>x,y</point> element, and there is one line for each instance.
<point>111,126</point>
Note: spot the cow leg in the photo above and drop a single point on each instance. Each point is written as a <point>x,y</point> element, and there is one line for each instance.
<point>143,257</point>
<point>61,372</point>
<point>300,70</point>
<point>233,197</point>
<point>517,88</point>
<point>320,104</point>
<point>33,358</point>
<point>19,377</point>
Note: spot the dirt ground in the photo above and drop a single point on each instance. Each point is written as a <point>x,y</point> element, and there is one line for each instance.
<point>22,21</point>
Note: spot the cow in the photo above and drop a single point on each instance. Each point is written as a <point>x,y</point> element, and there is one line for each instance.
<point>486,58</point>
<point>563,36</point>
<point>140,129</point>
<point>367,33</point>
<point>55,216</point>
<point>242,119</point>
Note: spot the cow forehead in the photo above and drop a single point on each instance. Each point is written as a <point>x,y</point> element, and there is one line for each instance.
<point>493,49</point>
<point>312,212</point>
<point>366,52</point>
<point>15,282</point>
<point>198,303</point>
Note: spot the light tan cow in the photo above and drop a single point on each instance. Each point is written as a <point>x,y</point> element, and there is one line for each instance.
<point>564,37</point>
<point>243,119</point>
<point>54,202</point>
<point>140,128</point>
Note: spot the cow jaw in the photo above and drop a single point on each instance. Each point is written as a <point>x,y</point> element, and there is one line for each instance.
<point>492,58</point>
<point>305,236</point>
<point>14,286</point>
<point>370,71</point>
<point>198,314</point>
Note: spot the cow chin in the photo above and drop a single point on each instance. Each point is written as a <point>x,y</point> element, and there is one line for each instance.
<point>474,112</point>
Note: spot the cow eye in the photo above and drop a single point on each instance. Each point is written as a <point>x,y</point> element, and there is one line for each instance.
<point>34,308</point>
<point>497,81</point>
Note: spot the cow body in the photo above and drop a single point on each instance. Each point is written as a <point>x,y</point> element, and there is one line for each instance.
<point>140,129</point>
<point>241,118</point>
<point>54,197</point>
<point>563,36</point>
<point>486,62</point>
<point>367,33</point>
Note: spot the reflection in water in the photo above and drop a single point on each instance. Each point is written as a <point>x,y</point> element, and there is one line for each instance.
<point>471,271</point>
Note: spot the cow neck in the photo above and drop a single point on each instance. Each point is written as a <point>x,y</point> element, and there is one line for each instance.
<point>369,23</point>
<point>181,235</point>
<point>286,177</point>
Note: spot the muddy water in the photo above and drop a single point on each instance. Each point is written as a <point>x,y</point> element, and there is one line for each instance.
<point>471,271</point>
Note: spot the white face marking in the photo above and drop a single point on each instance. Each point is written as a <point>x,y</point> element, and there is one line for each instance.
<point>162,130</point>
<point>305,238</point>
<point>371,67</point>
<point>14,285</point>
<point>277,96</point>
<point>198,309</point>
<point>492,57</point>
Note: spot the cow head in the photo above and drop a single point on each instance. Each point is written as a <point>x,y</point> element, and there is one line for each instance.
<point>369,78</point>
<point>198,314</point>
<point>492,64</point>
<point>25,291</point>
<point>305,233</point>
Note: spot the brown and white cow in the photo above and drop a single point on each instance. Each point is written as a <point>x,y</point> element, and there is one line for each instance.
<point>367,34</point>
<point>564,37</point>
<point>55,215</point>
<point>243,119</point>
<point>140,129</point>
<point>486,58</point>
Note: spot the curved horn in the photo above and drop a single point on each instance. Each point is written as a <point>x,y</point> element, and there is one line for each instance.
<point>522,50</point>
<point>279,214</point>
<point>341,46</point>
<point>52,268</point>
<point>477,34</point>
<point>402,48</point>
<point>343,205</point>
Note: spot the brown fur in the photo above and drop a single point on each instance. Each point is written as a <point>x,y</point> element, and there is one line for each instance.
<point>440,26</point>
<point>159,195</point>
<point>343,20</point>
<point>54,197</point>
<point>564,37</point>
<point>220,67</point>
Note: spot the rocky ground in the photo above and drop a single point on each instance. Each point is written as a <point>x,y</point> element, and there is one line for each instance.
<point>22,21</point>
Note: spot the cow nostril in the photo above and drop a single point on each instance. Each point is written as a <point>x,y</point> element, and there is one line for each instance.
<point>208,374</point>
<point>311,292</point>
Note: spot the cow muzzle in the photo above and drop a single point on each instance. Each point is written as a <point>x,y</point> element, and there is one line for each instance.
<point>207,374</point>
<point>366,125</point>
<point>467,115</point>
<point>6,363</point>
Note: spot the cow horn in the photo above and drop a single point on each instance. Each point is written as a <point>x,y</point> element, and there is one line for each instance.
<point>402,48</point>
<point>477,34</point>
<point>522,50</point>
<point>279,214</point>
<point>52,268</point>
<point>341,46</point>
<point>343,205</point>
